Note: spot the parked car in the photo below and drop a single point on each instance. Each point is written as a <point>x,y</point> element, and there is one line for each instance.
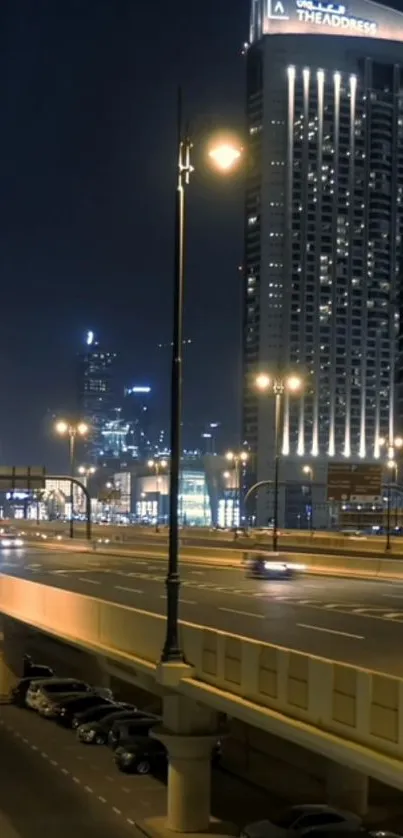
<point>19,692</point>
<point>65,709</point>
<point>143,754</point>
<point>140,756</point>
<point>95,714</point>
<point>96,733</point>
<point>125,729</point>
<point>295,820</point>
<point>41,690</point>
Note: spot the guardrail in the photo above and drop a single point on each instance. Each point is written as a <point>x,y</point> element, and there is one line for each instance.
<point>349,714</point>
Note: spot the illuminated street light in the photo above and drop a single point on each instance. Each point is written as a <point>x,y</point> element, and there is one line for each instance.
<point>225,156</point>
<point>72,430</point>
<point>224,159</point>
<point>278,385</point>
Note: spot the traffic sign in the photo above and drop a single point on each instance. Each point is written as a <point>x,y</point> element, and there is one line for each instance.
<point>22,477</point>
<point>350,482</point>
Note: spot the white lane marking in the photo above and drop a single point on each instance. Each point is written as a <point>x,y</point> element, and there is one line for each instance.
<point>129,820</point>
<point>65,772</point>
<point>126,790</point>
<point>102,799</point>
<point>109,778</point>
<point>197,572</point>
<point>54,762</point>
<point>76,780</point>
<point>128,590</point>
<point>243,613</point>
<point>188,601</point>
<point>25,740</point>
<point>89,581</point>
<point>116,810</point>
<point>45,756</point>
<point>391,615</point>
<point>331,631</point>
<point>34,748</point>
<point>89,789</point>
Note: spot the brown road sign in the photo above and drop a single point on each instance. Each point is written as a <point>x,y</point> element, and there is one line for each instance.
<point>354,482</point>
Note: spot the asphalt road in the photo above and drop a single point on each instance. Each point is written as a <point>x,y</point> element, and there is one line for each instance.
<point>359,622</point>
<point>52,784</point>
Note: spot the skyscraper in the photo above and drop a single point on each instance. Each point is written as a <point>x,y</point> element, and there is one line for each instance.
<point>96,396</point>
<point>324,219</point>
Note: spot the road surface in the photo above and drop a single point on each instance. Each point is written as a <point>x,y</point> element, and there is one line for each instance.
<point>359,622</point>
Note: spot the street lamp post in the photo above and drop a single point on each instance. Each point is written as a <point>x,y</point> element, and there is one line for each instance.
<point>71,430</point>
<point>309,471</point>
<point>238,459</point>
<point>277,385</point>
<point>157,465</point>
<point>224,156</point>
<point>391,464</point>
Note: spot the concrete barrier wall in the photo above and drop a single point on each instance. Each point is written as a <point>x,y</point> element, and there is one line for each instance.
<point>357,705</point>
<point>291,538</point>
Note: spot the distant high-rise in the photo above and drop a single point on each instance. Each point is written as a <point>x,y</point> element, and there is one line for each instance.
<point>96,391</point>
<point>324,226</point>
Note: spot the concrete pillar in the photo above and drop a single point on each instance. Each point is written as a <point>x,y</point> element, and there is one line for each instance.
<point>12,648</point>
<point>347,788</point>
<point>189,732</point>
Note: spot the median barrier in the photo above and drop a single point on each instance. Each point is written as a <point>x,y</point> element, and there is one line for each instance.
<point>349,714</point>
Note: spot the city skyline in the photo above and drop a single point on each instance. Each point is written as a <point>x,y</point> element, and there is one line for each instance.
<point>91,201</point>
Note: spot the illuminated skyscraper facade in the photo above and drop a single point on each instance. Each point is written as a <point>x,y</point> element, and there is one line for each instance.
<point>324,225</point>
<point>96,392</point>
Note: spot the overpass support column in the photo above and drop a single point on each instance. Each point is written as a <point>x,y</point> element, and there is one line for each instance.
<point>347,788</point>
<point>12,647</point>
<point>189,732</point>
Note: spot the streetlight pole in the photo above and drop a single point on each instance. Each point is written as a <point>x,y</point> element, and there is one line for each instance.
<point>309,471</point>
<point>71,430</point>
<point>392,445</point>
<point>224,157</point>
<point>277,385</point>
<point>172,650</point>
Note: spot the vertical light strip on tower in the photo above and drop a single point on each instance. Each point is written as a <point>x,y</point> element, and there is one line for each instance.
<point>288,242</point>
<point>304,214</point>
<point>316,337</point>
<point>333,333</point>
<point>349,292</point>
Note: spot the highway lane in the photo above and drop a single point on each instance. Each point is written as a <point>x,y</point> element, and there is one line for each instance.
<point>353,621</point>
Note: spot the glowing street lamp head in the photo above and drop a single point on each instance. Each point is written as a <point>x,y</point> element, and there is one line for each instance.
<point>82,470</point>
<point>398,442</point>
<point>163,463</point>
<point>82,428</point>
<point>263,382</point>
<point>230,456</point>
<point>294,383</point>
<point>307,470</point>
<point>391,464</point>
<point>244,456</point>
<point>61,427</point>
<point>225,156</point>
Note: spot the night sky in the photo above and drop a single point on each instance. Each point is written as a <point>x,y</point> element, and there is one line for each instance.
<point>87,151</point>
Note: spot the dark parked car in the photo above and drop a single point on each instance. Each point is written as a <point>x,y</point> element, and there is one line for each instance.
<point>142,754</point>
<point>96,733</point>
<point>66,709</point>
<point>95,714</point>
<point>125,729</point>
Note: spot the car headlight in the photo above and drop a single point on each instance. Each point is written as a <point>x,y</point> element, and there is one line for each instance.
<point>5,542</point>
<point>19,542</point>
<point>281,568</point>
<point>126,757</point>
